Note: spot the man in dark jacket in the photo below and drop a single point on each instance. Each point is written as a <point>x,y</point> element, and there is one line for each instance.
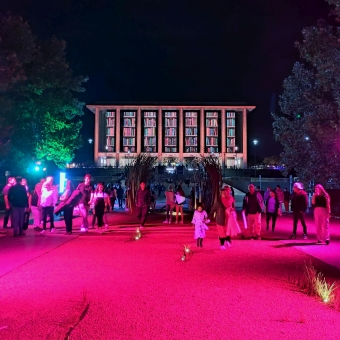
<point>252,207</point>
<point>86,190</point>
<point>17,197</point>
<point>299,206</point>
<point>143,198</point>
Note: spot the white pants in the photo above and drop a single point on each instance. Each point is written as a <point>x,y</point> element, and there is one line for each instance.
<point>254,224</point>
<point>321,223</point>
<point>84,212</point>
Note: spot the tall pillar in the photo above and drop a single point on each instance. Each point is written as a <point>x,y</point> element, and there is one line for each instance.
<point>160,135</point>
<point>139,131</point>
<point>96,135</point>
<point>181,136</point>
<point>244,137</point>
<point>202,139</point>
<point>224,136</point>
<point>117,135</point>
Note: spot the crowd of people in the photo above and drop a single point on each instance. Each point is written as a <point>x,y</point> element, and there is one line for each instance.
<point>44,203</point>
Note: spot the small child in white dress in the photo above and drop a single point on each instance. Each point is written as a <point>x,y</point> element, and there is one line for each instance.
<point>199,220</point>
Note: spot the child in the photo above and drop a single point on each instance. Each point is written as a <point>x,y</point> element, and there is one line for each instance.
<point>101,202</point>
<point>200,219</point>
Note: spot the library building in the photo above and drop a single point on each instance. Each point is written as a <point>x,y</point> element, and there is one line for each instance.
<point>175,134</point>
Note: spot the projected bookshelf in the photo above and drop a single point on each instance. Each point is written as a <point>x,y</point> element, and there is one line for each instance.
<point>211,131</point>
<point>230,129</point>
<point>191,132</point>
<point>128,123</point>
<point>149,131</point>
<point>110,130</point>
<point>170,131</point>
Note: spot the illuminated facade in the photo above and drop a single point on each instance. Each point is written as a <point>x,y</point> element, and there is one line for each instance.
<point>172,133</point>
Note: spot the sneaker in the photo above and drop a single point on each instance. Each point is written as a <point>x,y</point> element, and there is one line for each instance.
<point>182,222</point>
<point>293,237</point>
<point>68,233</point>
<point>227,244</point>
<point>83,230</point>
<point>305,237</point>
<point>141,227</point>
<point>106,226</point>
<point>223,248</point>
<point>166,221</point>
<point>43,231</point>
<point>327,242</point>
<point>52,230</point>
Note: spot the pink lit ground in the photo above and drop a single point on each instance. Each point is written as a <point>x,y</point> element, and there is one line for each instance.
<point>142,290</point>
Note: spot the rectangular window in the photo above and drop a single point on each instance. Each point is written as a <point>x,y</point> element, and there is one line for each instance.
<point>128,127</point>
<point>191,126</point>
<point>149,131</point>
<point>170,131</point>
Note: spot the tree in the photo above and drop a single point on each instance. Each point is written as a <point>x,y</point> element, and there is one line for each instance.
<point>37,88</point>
<point>309,122</point>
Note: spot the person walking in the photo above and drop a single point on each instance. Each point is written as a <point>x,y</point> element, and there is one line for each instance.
<point>280,197</point>
<point>86,190</point>
<point>272,209</point>
<point>142,203</point>
<point>18,200</point>
<point>252,208</point>
<point>113,197</point>
<point>299,207</point>
<point>10,182</point>
<point>48,201</point>
<point>200,220</point>
<point>68,210</point>
<point>169,203</point>
<point>322,210</point>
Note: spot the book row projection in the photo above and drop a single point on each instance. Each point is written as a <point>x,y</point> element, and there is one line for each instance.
<point>169,132</point>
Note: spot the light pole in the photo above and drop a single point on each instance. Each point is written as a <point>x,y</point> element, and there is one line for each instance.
<point>90,140</point>
<point>236,149</point>
<point>255,142</point>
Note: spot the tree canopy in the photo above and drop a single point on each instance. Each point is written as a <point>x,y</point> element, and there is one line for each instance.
<point>39,113</point>
<point>309,120</point>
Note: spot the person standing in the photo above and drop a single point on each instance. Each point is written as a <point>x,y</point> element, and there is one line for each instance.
<point>180,195</point>
<point>86,190</point>
<point>101,202</point>
<point>113,196</point>
<point>200,220</point>
<point>299,207</point>
<point>252,207</point>
<point>10,182</point>
<point>286,199</point>
<point>280,197</point>
<point>48,201</point>
<point>272,209</point>
<point>169,203</point>
<point>142,203</point>
<point>120,196</point>
<point>68,210</point>
<point>322,210</point>
<point>219,209</point>
<point>35,205</point>
<point>18,200</point>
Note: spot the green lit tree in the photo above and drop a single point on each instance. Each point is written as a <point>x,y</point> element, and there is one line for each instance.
<point>37,88</point>
<point>309,121</point>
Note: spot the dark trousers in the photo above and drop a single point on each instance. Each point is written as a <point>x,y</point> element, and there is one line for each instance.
<point>298,215</point>
<point>68,216</point>
<point>17,220</point>
<point>6,217</point>
<point>112,201</point>
<point>142,213</point>
<point>271,216</point>
<point>48,211</point>
<point>120,202</point>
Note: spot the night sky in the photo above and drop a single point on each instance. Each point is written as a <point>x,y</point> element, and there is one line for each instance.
<point>178,50</point>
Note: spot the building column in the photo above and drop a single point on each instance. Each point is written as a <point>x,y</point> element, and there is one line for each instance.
<point>117,135</point>
<point>96,135</point>
<point>224,136</point>
<point>202,139</point>
<point>160,135</point>
<point>181,135</point>
<point>139,130</point>
<point>244,138</point>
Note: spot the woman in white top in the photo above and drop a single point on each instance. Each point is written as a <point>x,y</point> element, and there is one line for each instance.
<point>101,201</point>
